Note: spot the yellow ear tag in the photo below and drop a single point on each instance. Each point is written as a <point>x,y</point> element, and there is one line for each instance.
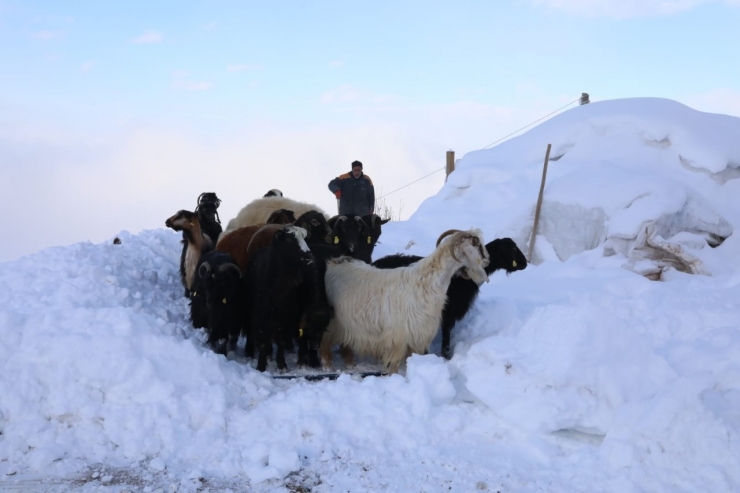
<point>336,240</point>
<point>300,332</point>
<point>513,263</point>
<point>369,239</point>
<point>195,294</point>
<point>223,301</point>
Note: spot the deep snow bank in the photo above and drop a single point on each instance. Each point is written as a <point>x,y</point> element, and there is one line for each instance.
<point>648,179</point>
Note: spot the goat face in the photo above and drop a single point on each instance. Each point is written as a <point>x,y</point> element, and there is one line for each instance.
<point>375,223</point>
<point>349,233</point>
<point>315,225</point>
<point>291,244</point>
<point>220,283</point>
<point>207,207</point>
<point>207,212</point>
<point>468,249</point>
<point>505,255</point>
<point>183,220</point>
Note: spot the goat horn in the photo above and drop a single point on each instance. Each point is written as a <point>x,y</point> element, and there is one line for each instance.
<point>452,250</point>
<point>226,267</point>
<point>361,221</point>
<point>200,269</point>
<point>446,234</point>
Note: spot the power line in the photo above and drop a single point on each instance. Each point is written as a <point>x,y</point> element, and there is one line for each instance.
<point>489,145</point>
<point>397,189</point>
<point>512,133</point>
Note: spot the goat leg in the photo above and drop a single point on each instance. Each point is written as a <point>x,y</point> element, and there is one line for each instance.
<point>313,358</point>
<point>303,358</point>
<point>447,324</point>
<point>280,358</point>
<point>326,344</point>
<point>446,351</point>
<point>262,358</point>
<point>347,355</point>
<point>233,339</point>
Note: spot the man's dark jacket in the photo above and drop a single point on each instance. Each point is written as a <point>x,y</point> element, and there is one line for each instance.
<point>358,194</point>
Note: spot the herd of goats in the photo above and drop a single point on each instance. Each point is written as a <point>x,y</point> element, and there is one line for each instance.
<point>282,273</point>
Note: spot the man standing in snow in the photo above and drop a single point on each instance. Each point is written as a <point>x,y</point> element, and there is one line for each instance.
<point>354,191</point>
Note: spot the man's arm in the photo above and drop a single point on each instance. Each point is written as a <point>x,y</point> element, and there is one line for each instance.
<point>335,185</point>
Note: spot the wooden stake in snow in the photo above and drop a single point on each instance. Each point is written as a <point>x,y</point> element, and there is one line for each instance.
<point>449,164</point>
<point>539,204</point>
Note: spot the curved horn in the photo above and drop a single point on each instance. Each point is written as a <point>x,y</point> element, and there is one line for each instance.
<point>201,273</point>
<point>447,233</point>
<point>452,246</point>
<point>226,267</point>
<point>338,223</point>
<point>361,221</point>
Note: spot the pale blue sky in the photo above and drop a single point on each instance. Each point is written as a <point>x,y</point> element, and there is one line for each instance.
<point>154,102</point>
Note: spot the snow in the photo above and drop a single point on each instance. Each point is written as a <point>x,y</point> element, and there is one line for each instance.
<point>576,374</point>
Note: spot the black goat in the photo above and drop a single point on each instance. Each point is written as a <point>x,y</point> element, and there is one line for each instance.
<point>316,226</point>
<point>462,292</point>
<point>353,237</point>
<point>313,313</point>
<point>219,287</point>
<point>207,210</point>
<point>275,281</point>
<point>374,222</point>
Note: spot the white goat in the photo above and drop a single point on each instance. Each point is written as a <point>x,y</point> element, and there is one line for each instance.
<point>389,313</point>
<point>259,210</point>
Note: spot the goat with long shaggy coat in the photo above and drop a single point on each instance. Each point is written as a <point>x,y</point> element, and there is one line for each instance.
<point>390,313</point>
<point>462,292</point>
<point>195,244</point>
<point>274,278</point>
<point>257,211</point>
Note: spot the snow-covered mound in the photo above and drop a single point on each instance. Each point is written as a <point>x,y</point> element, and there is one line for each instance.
<point>650,180</point>
<point>569,376</point>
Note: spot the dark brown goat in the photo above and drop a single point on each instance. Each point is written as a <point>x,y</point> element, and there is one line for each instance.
<point>236,243</point>
<point>196,244</point>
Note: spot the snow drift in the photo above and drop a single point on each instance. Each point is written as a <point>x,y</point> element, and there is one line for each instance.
<point>573,375</point>
<point>646,179</point>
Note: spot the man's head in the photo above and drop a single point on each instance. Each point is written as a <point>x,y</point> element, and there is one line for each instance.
<point>356,169</point>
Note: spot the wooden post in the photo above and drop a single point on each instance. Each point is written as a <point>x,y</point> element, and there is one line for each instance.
<point>450,163</point>
<point>539,204</point>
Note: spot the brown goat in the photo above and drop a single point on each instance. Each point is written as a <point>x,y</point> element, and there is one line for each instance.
<point>196,244</point>
<point>242,243</point>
